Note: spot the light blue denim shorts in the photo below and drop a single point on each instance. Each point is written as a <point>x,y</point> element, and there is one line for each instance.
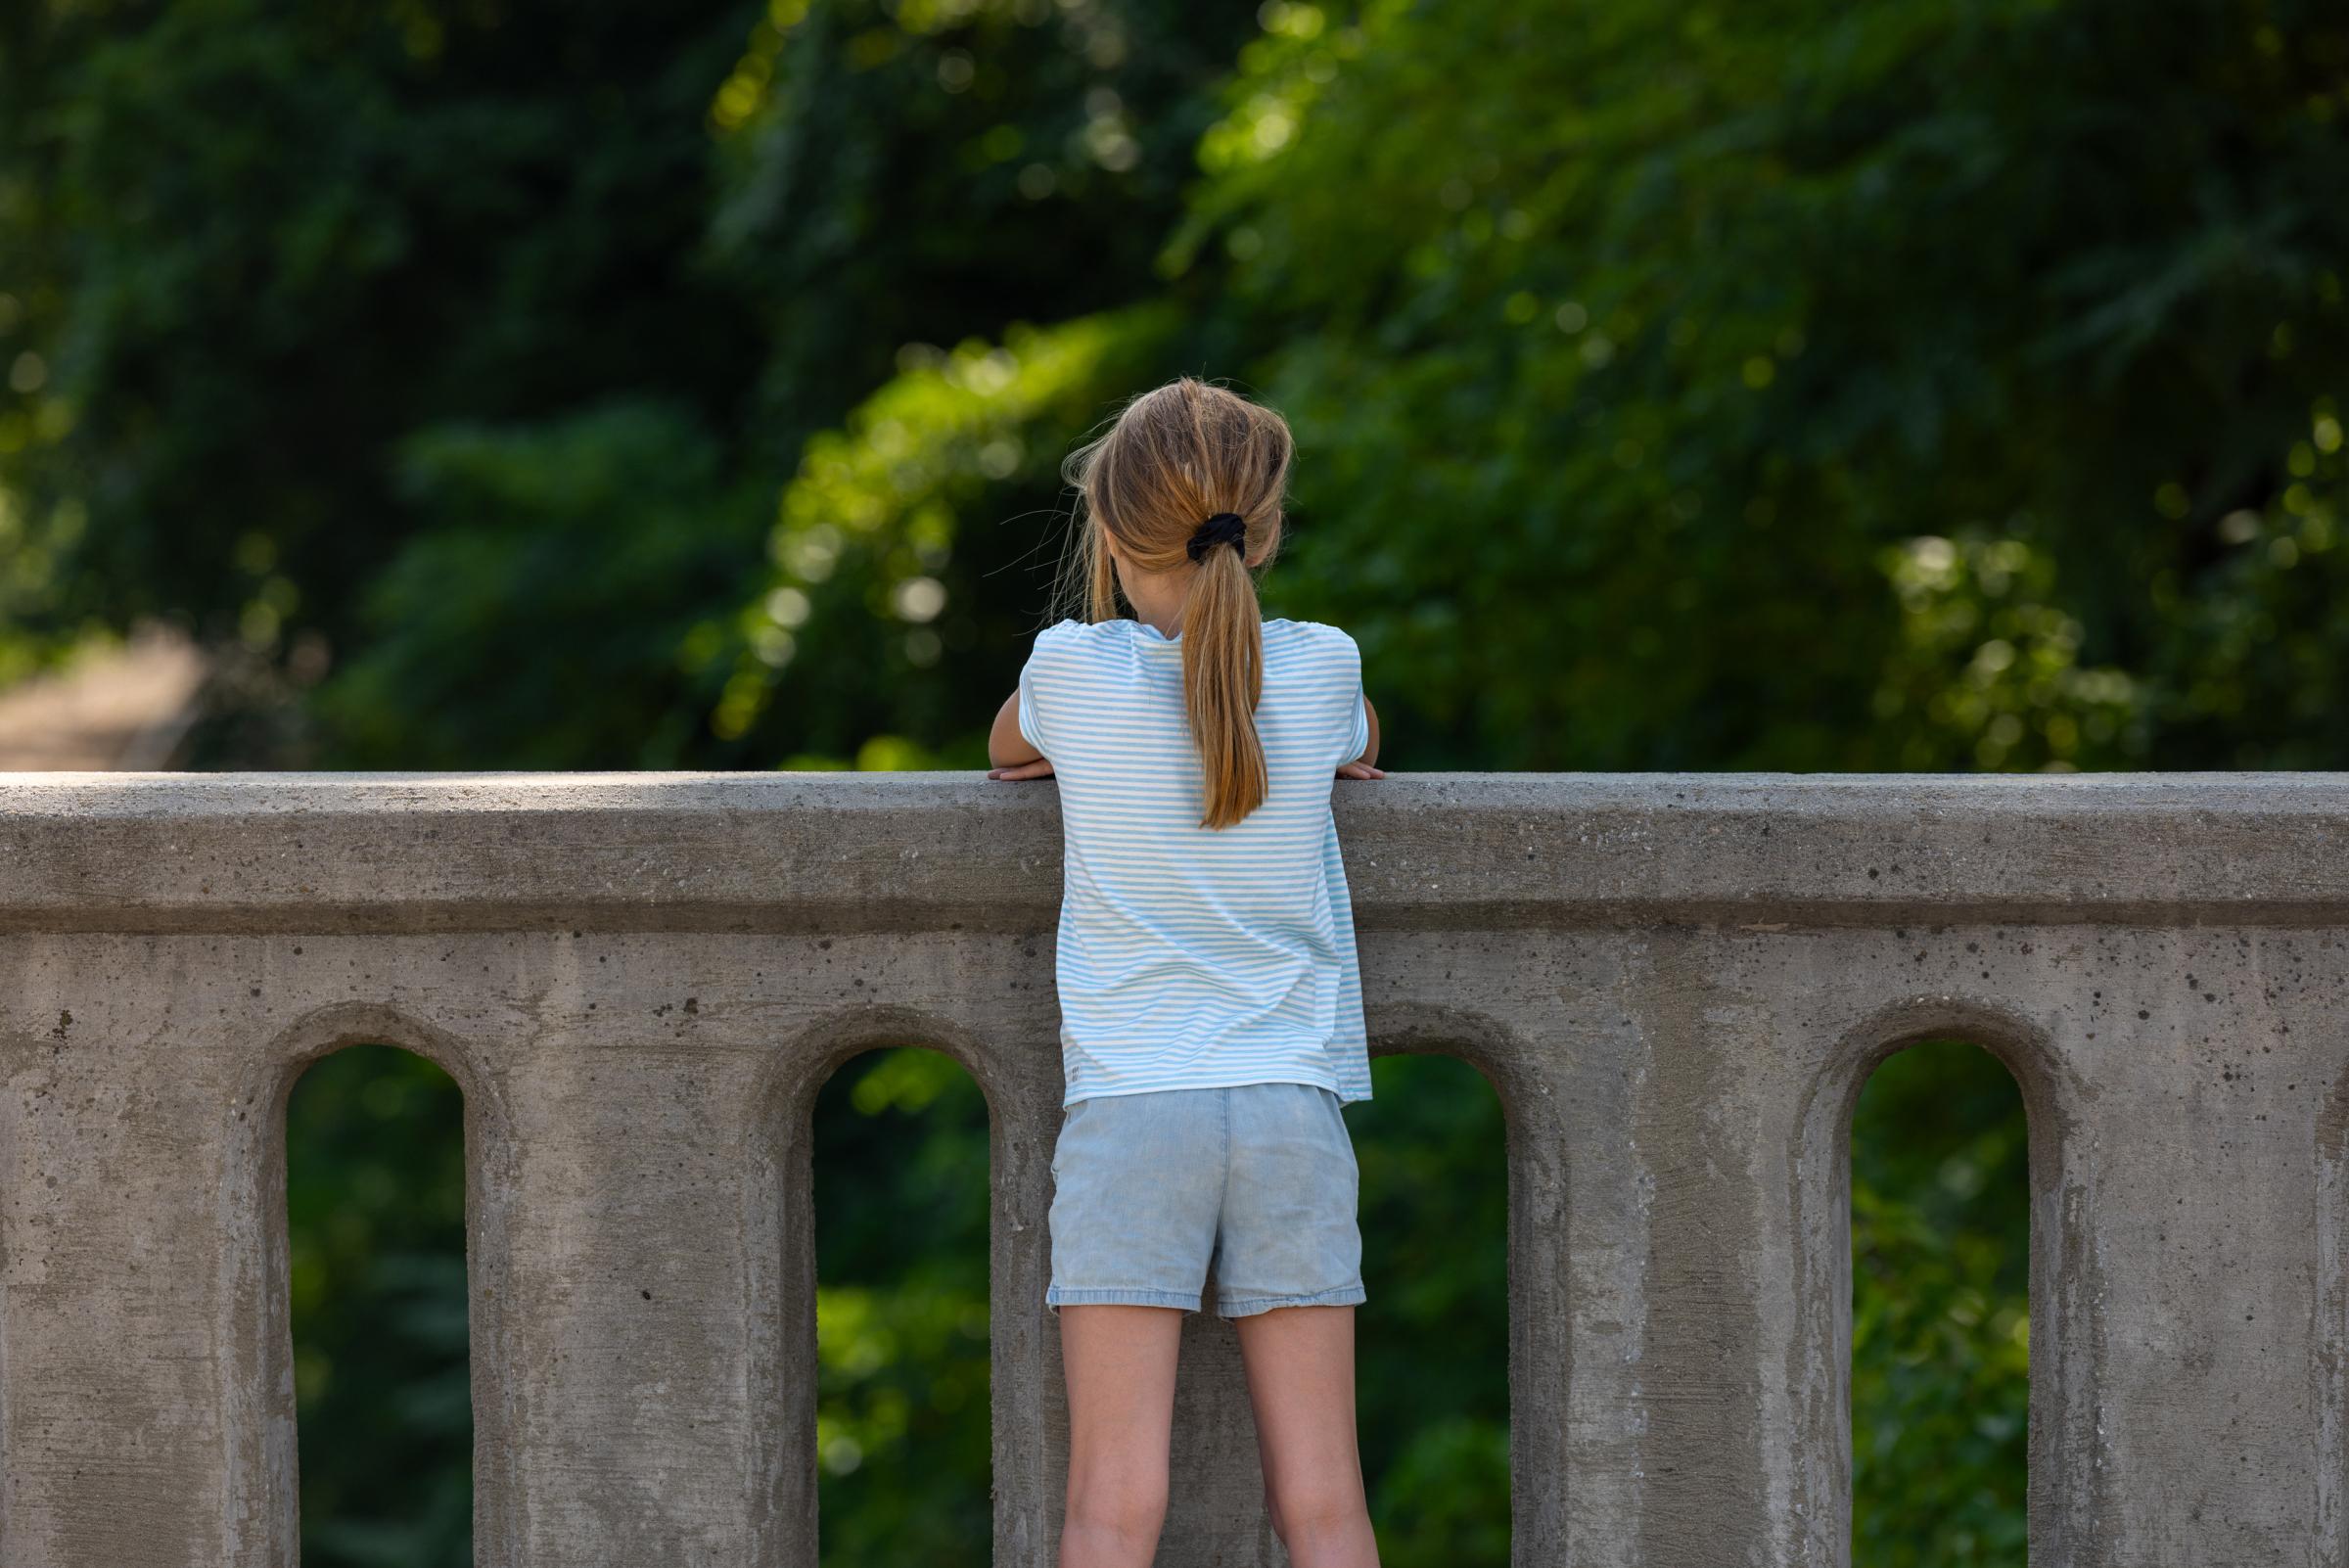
<point>1257,1181</point>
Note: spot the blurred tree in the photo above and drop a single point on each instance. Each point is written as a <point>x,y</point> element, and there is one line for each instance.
<point>1941,1317</point>
<point>259,269</point>
<point>1832,387</point>
<point>1432,1395</point>
<point>375,1216</point>
<point>918,171</point>
<point>562,557</point>
<point>905,1431</point>
<point>1693,313</point>
<point>251,248</point>
<point>871,586</point>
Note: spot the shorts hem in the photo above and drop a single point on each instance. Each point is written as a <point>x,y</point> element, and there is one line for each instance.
<point>1353,1295</point>
<point>1055,1296</point>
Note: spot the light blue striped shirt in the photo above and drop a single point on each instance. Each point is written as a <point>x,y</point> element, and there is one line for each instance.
<point>1195,957</point>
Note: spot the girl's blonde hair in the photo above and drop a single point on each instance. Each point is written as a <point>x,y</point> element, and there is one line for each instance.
<point>1177,456</point>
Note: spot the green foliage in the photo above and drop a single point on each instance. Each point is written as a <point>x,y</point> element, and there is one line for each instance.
<point>259,264</point>
<point>1940,1313</point>
<point>375,1214</point>
<point>865,578</point>
<point>903,1418</point>
<point>1431,1351</point>
<point>570,555</point>
<point>250,250</point>
<point>1646,351</point>
<point>917,173</point>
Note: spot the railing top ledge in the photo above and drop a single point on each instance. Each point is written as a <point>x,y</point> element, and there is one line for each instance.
<point>908,851</point>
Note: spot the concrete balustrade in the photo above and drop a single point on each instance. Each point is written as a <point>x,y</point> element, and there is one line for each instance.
<point>1676,985</point>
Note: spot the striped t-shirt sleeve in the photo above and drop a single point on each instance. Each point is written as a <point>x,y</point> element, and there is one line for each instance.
<point>1359,730</point>
<point>1032,720</point>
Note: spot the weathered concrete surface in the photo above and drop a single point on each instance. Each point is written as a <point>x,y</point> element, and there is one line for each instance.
<point>1676,985</point>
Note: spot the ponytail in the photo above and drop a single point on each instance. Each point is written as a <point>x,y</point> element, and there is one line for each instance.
<point>1222,680</point>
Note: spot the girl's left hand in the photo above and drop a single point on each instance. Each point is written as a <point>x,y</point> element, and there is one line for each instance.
<point>1360,770</point>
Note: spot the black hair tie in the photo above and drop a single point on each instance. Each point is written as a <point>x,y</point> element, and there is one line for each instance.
<point>1224,527</point>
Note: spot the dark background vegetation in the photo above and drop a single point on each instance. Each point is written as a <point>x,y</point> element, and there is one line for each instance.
<point>1889,385</point>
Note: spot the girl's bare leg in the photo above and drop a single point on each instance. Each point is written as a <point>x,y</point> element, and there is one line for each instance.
<point>1120,1362</point>
<point>1300,1364</point>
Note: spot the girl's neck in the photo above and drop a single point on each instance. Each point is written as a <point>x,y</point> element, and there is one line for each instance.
<point>1158,598</point>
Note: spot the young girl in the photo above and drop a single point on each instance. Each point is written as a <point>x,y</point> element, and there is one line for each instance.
<point>1211,1007</point>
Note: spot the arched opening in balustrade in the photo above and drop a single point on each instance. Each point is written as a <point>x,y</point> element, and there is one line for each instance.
<point>905,1467</point>
<point>1432,1342</point>
<point>1941,1275</point>
<point>378,1297</point>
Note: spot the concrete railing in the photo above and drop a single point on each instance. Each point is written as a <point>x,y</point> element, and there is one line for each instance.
<point>1676,985</point>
